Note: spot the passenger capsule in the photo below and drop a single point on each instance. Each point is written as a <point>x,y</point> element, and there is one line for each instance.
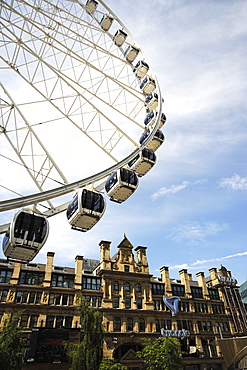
<point>131,53</point>
<point>156,141</point>
<point>151,101</point>
<point>143,162</point>
<point>148,85</point>
<point>119,37</point>
<point>26,235</point>
<point>86,209</point>
<point>121,185</point>
<point>141,69</point>
<point>91,6</point>
<point>106,22</point>
<point>151,118</point>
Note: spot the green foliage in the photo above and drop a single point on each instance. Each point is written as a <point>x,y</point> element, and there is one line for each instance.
<point>162,353</point>
<point>111,365</point>
<point>87,354</point>
<point>12,346</point>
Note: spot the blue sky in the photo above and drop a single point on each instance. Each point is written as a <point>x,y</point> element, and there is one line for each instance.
<point>190,209</point>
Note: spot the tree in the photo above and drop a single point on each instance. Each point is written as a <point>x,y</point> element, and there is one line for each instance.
<point>162,353</point>
<point>111,365</point>
<point>12,345</point>
<point>87,354</point>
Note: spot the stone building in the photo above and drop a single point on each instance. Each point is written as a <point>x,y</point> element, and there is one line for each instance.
<point>136,305</point>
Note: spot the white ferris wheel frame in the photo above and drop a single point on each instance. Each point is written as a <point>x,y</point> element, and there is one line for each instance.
<point>39,175</point>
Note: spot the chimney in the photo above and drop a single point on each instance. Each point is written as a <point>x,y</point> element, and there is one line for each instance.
<point>48,269</point>
<point>78,272</point>
<point>105,259</point>
<point>214,276</point>
<point>202,283</point>
<point>185,281</point>
<point>142,258</point>
<point>165,277</point>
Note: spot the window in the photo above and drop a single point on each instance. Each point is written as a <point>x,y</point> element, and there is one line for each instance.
<point>139,303</point>
<point>205,348</point>
<point>21,297</point>
<point>117,324</point>
<point>127,287</point>
<point>141,325</point>
<point>5,276</point>
<point>196,292</point>
<point>3,295</point>
<point>213,293</point>
<point>179,325</point>
<point>59,321</point>
<point>31,278</point>
<point>138,287</point>
<point>33,321</point>
<point>34,297</point>
<point>178,290</point>
<point>116,286</point>
<point>68,321</point>
<point>93,283</point>
<point>63,281</point>
<point>127,302</point>
<point>115,302</point>
<point>129,324</point>
<point>157,325</point>
<point>50,321</point>
<point>126,268</point>
<point>24,321</point>
<point>157,289</point>
<point>92,300</point>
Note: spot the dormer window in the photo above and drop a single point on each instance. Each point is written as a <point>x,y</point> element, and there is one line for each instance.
<point>126,268</point>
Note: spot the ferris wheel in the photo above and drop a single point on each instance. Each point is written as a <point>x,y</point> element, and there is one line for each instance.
<point>80,112</point>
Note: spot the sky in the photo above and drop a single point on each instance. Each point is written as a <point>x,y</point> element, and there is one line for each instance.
<point>190,209</point>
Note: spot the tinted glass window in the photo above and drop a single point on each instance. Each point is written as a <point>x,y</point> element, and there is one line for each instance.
<point>30,227</point>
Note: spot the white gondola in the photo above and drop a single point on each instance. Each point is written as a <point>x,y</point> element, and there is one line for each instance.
<point>143,162</point>
<point>119,37</point>
<point>151,101</point>
<point>141,69</point>
<point>148,85</point>
<point>106,22</point>
<point>131,53</point>
<point>91,6</point>
<point>151,118</point>
<point>27,234</point>
<point>156,141</point>
<point>121,185</point>
<point>86,209</point>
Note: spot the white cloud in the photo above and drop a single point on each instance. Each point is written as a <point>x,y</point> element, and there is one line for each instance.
<point>200,262</point>
<point>174,188</point>
<point>195,233</point>
<point>234,183</point>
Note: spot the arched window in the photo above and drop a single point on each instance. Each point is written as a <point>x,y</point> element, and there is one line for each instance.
<point>129,324</point>
<point>141,324</point>
<point>138,287</point>
<point>115,285</point>
<point>127,287</point>
<point>117,324</point>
